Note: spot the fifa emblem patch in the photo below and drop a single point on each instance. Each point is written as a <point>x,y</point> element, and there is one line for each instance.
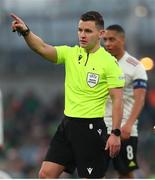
<point>92,79</point>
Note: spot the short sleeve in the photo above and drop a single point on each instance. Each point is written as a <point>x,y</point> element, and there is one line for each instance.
<point>62,53</point>
<point>114,74</point>
<point>140,72</point>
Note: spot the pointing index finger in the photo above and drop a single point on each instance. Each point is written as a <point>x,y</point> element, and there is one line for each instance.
<point>15,17</point>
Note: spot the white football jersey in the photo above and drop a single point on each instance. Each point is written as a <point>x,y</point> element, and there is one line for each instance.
<point>133,71</point>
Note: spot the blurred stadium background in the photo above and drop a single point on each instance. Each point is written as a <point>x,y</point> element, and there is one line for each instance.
<point>32,89</point>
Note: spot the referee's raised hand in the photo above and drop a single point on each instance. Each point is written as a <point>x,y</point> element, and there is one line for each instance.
<point>18,24</point>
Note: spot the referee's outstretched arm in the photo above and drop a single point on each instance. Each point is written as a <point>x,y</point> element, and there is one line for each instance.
<point>33,41</point>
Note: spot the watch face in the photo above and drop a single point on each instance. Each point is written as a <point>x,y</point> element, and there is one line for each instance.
<point>117,132</point>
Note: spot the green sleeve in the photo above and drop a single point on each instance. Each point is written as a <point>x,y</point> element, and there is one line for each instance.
<point>62,53</point>
<point>114,74</point>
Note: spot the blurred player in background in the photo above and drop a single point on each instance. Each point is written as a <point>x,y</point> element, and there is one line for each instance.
<point>133,98</point>
<point>91,74</point>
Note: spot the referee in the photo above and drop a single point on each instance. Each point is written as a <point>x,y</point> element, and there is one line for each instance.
<point>91,74</point>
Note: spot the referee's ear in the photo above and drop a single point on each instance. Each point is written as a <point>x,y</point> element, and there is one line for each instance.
<point>101,33</point>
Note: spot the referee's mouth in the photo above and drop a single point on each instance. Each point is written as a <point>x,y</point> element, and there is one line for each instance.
<point>83,42</point>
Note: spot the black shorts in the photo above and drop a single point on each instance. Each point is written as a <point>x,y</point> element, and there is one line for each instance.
<point>126,161</point>
<point>79,143</point>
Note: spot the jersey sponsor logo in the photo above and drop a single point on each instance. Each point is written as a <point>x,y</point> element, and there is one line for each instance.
<point>89,170</point>
<point>92,79</point>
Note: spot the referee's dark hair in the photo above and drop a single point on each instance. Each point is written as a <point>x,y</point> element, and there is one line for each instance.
<point>117,28</point>
<point>93,16</point>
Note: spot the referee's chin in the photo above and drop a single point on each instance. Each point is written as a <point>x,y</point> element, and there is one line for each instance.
<point>83,45</point>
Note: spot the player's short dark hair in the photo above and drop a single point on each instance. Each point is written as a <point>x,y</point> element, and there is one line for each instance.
<point>93,16</point>
<point>116,27</point>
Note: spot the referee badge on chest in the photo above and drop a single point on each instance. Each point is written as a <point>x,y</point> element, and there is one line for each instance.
<point>92,79</point>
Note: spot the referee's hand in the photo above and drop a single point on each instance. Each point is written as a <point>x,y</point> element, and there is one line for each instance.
<point>17,24</point>
<point>113,145</point>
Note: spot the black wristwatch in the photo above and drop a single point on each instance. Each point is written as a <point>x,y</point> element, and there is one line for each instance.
<point>116,132</point>
<point>23,33</point>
